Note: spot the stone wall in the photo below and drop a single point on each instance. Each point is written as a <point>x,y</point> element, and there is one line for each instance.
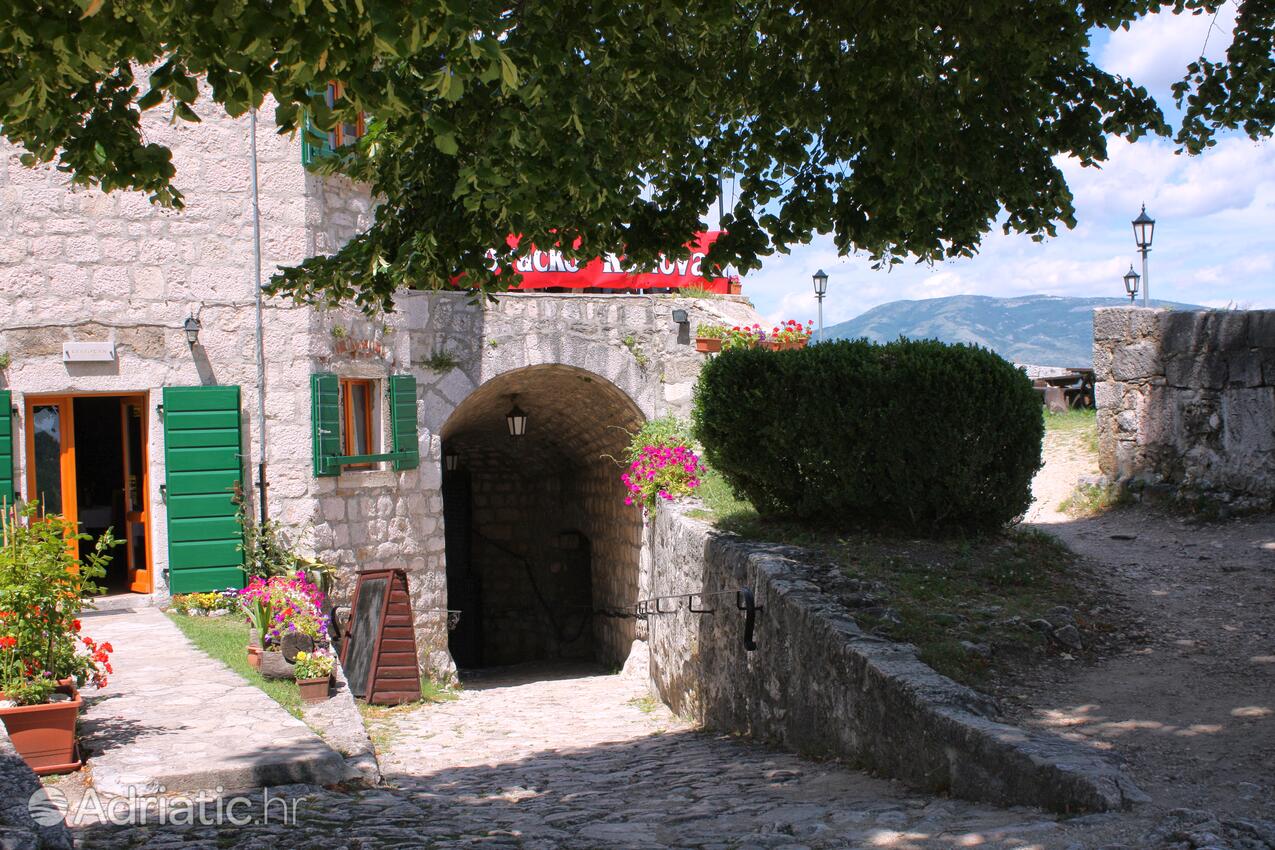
<point>818,685</point>
<point>1186,399</point>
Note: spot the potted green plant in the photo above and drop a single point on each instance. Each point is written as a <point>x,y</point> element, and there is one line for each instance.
<point>743,336</point>
<point>313,671</point>
<point>260,614</point>
<point>708,338</point>
<point>44,658</point>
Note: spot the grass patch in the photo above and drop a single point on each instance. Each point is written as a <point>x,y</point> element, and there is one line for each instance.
<point>226,639</point>
<point>940,595</point>
<point>1081,424</point>
<point>1092,499</point>
<point>646,704</point>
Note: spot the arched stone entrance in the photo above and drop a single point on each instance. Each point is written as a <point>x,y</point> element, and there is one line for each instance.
<point>541,549</point>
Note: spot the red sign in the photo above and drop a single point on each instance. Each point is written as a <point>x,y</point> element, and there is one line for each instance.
<point>549,269</point>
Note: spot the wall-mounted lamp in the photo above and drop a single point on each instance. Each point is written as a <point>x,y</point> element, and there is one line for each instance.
<point>516,419</point>
<point>681,317</point>
<point>451,460</point>
<point>191,327</point>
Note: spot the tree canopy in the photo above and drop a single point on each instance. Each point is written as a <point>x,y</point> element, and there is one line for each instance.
<point>904,129</point>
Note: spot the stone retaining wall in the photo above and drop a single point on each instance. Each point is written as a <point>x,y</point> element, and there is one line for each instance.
<point>1187,399</point>
<point>818,685</point>
<point>18,830</point>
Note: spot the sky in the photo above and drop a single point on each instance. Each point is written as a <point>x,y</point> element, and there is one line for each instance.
<point>1214,239</point>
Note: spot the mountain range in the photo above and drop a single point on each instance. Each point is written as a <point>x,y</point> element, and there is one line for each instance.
<point>1045,330</point>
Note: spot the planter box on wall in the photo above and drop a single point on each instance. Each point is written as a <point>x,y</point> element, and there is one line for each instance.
<point>44,735</point>
<point>707,345</point>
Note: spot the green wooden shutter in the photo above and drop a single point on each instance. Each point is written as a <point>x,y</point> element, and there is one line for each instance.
<point>204,466</point>
<point>6,447</point>
<point>325,422</point>
<point>403,421</point>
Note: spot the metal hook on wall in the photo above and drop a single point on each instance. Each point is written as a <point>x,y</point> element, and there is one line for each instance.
<point>745,602</point>
<point>690,604</point>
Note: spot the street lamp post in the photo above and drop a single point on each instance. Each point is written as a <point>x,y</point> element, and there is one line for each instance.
<point>1143,230</point>
<point>821,289</point>
<point>1131,284</point>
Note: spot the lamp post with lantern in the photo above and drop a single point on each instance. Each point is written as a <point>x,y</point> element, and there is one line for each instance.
<point>1131,283</point>
<point>1143,231</point>
<point>821,288</point>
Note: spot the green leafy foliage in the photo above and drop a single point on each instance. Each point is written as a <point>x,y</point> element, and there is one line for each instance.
<point>602,125</point>
<point>915,436</point>
<point>43,586</point>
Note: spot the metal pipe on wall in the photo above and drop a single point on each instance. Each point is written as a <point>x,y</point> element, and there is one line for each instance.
<point>261,346</point>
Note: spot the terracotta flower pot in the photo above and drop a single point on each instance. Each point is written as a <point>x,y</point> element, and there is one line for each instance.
<point>735,287</point>
<point>254,657</point>
<point>44,735</point>
<point>705,344</point>
<point>314,690</point>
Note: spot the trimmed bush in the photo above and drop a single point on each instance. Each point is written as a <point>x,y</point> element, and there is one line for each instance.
<point>914,436</point>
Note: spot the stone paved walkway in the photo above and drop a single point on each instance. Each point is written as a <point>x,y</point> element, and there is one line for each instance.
<point>172,717</point>
<point>583,761</point>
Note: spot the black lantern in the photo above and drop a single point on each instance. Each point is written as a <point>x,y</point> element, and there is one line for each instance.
<point>517,421</point>
<point>451,460</point>
<point>191,327</point>
<point>1131,283</point>
<point>1143,229</point>
<point>821,283</point>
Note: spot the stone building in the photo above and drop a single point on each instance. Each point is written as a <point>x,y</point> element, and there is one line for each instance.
<point>113,417</point>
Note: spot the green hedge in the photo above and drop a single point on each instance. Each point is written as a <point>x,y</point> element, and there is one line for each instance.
<point>915,436</point>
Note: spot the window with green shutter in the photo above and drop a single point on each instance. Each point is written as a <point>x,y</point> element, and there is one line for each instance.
<point>6,447</point>
<point>327,415</point>
<point>203,459</point>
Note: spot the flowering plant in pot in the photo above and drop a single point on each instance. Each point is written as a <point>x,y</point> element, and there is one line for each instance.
<point>791,334</point>
<point>313,671</point>
<point>743,336</point>
<point>708,338</point>
<point>44,658</point>
<point>282,606</point>
<point>662,465</point>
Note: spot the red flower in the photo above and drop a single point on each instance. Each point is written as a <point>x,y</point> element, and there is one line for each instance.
<point>8,642</point>
<point>75,625</point>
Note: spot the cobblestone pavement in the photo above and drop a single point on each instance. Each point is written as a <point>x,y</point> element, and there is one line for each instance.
<point>584,760</point>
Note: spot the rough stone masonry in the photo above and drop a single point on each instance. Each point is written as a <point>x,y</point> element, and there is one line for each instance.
<point>1187,399</point>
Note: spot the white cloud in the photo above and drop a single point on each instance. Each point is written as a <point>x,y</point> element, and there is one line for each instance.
<point>1156,49</point>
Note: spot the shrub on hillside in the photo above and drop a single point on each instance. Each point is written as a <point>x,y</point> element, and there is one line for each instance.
<point>915,436</point>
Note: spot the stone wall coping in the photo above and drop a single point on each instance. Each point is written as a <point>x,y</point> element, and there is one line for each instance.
<point>866,699</point>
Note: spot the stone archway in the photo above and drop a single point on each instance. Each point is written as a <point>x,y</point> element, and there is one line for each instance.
<point>541,549</point>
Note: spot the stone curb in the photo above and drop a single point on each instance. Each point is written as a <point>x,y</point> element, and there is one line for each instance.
<point>340,725</point>
<point>819,685</point>
<point>18,829</point>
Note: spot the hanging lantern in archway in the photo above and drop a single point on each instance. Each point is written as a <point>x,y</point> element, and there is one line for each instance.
<point>516,419</point>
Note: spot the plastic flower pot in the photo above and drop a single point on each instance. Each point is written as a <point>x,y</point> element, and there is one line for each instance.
<point>314,690</point>
<point>707,345</point>
<point>44,735</point>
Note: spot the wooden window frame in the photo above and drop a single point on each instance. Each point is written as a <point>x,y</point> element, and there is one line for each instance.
<point>369,419</point>
<point>336,91</point>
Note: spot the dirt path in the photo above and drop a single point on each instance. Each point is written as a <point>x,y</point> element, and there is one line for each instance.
<point>1190,702</point>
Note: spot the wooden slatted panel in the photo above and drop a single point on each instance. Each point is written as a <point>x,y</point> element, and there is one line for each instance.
<point>203,465</point>
<point>325,422</point>
<point>6,447</point>
<point>395,676</point>
<point>403,421</point>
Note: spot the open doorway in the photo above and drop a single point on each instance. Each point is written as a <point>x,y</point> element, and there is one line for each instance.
<point>86,460</point>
